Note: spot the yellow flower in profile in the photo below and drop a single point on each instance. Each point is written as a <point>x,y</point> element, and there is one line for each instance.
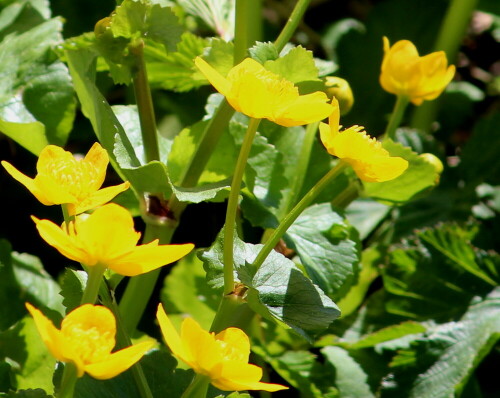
<point>404,72</point>
<point>222,357</point>
<point>63,179</point>
<point>370,161</point>
<point>261,94</point>
<point>86,338</point>
<point>107,239</point>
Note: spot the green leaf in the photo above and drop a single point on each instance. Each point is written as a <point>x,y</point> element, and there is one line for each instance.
<point>175,70</point>
<point>37,104</point>
<point>216,192</point>
<point>328,248</point>
<point>419,177</point>
<point>478,162</point>
<point>365,215</point>
<point>277,290</point>
<point>296,66</point>
<point>219,55</point>
<point>30,393</point>
<point>133,19</point>
<point>31,362</point>
<point>438,267</point>
<point>263,52</point>
<point>350,378</point>
<point>186,292</point>
<point>24,279</point>
<point>72,286</point>
<point>439,363</point>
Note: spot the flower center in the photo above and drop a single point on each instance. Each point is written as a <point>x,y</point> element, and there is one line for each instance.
<point>89,342</point>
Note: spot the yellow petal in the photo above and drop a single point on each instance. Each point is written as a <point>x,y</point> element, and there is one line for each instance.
<point>29,183</point>
<point>52,155</point>
<point>118,361</point>
<point>145,258</point>
<point>215,78</point>
<point>206,353</point>
<point>171,337</point>
<point>50,335</point>
<point>59,239</point>
<point>99,159</point>
<point>381,169</point>
<point>304,110</point>
<point>235,344</point>
<point>53,192</point>
<point>100,197</point>
<point>237,376</point>
<point>107,233</point>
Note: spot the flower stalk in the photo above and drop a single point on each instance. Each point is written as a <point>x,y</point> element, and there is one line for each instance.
<point>296,211</point>
<point>68,381</point>
<point>396,117</point>
<point>232,206</point>
<point>290,27</point>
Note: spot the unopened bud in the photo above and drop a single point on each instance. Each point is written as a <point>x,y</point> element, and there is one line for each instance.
<point>434,161</point>
<point>101,26</point>
<point>341,90</point>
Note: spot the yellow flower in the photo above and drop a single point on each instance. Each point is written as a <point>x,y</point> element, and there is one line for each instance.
<point>62,179</point>
<point>370,161</point>
<point>107,238</point>
<point>86,338</point>
<point>418,78</point>
<point>222,357</point>
<point>261,94</point>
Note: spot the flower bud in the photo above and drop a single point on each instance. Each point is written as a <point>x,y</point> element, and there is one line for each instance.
<point>434,161</point>
<point>341,90</point>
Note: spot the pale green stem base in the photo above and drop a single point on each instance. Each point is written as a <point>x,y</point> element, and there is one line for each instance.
<point>396,117</point>
<point>296,211</point>
<point>233,311</point>
<point>232,205</point>
<point>198,387</point>
<point>68,381</point>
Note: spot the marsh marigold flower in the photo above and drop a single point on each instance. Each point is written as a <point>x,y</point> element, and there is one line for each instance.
<point>63,179</point>
<point>222,357</point>
<point>86,338</point>
<point>370,161</point>
<point>404,72</point>
<point>107,238</point>
<point>253,90</point>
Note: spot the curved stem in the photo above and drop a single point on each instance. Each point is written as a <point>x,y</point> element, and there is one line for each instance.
<point>145,104</point>
<point>232,205</point>
<point>140,288</point>
<point>291,25</point>
<point>68,381</point>
<point>396,117</point>
<point>296,211</point>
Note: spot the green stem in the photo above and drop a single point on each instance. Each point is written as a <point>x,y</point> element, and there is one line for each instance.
<point>68,381</point>
<point>302,165</point>
<point>396,117</point>
<point>291,25</point>
<point>140,288</point>
<point>123,340</point>
<point>296,211</point>
<point>94,280</point>
<point>241,38</point>
<point>66,214</point>
<point>232,205</point>
<point>198,387</point>
<point>144,103</point>
<point>346,196</point>
<point>449,38</point>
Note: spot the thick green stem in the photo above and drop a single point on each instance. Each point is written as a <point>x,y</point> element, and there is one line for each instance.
<point>232,205</point>
<point>144,103</point>
<point>140,287</point>
<point>198,387</point>
<point>291,25</point>
<point>396,117</point>
<point>449,38</point>
<point>302,165</point>
<point>241,38</point>
<point>68,381</point>
<point>94,280</point>
<point>296,211</point>
<point>233,311</point>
